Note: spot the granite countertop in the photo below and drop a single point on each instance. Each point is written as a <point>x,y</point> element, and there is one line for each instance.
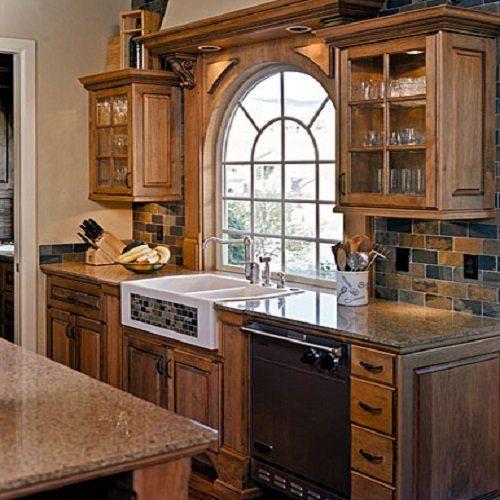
<point>114,274</point>
<point>57,423</point>
<point>396,326</point>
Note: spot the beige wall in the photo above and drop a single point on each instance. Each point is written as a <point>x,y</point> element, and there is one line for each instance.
<point>71,38</point>
<point>184,11</point>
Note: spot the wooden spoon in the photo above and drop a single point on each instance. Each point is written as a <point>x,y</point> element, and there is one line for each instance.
<point>341,257</point>
<point>365,245</point>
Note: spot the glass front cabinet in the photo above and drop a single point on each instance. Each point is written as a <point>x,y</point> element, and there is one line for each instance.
<point>134,141</point>
<point>416,114</point>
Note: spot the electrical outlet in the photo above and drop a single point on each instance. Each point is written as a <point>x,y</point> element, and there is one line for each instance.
<point>471,267</point>
<point>402,259</point>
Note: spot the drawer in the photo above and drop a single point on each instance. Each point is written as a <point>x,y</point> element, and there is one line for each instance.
<point>364,488</point>
<point>75,296</point>
<point>372,454</point>
<point>373,365</point>
<point>372,405</point>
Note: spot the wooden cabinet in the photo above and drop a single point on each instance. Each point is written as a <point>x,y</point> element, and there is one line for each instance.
<point>76,342</point>
<point>84,328</point>
<point>134,135</point>
<point>416,114</point>
<point>146,368</point>
<point>158,370</point>
<point>195,387</point>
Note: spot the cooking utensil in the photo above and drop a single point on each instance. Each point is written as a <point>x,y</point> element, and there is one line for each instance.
<point>365,245</point>
<point>87,241</point>
<point>373,256</point>
<point>341,257</point>
<point>354,262</point>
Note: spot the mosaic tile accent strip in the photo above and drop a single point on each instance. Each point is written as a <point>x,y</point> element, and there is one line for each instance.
<point>66,252</point>
<point>164,314</point>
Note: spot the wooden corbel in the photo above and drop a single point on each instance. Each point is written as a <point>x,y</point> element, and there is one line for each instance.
<point>216,72</point>
<point>319,54</point>
<point>183,66</point>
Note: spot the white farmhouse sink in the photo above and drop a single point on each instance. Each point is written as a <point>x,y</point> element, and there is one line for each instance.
<point>182,307</point>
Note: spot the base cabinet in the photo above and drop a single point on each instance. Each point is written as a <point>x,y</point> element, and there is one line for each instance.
<point>76,342</point>
<point>146,368</point>
<point>7,300</point>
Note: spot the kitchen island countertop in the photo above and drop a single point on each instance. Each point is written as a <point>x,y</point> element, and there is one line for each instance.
<point>58,425</point>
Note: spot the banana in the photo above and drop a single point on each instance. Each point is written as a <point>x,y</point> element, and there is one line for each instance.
<point>132,255</point>
<point>151,254</point>
<point>164,253</point>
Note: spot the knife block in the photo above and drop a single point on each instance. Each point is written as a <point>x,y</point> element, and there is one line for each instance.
<point>109,247</point>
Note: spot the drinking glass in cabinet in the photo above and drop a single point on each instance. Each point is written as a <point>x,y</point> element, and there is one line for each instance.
<point>367,78</point>
<point>120,141</point>
<point>120,172</point>
<point>407,172</point>
<point>407,123</point>
<point>367,125</point>
<point>407,74</point>
<point>120,110</point>
<point>366,172</point>
<point>103,109</point>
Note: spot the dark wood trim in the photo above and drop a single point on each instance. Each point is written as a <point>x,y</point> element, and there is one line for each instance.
<point>267,21</point>
<point>112,79</point>
<point>415,22</point>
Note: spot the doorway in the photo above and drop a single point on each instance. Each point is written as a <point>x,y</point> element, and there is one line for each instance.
<point>18,224</point>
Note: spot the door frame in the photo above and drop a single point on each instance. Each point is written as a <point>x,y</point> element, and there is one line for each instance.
<point>25,192</point>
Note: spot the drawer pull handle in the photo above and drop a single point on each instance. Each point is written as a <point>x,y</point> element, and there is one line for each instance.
<point>371,368</point>
<point>371,458</point>
<point>369,409</point>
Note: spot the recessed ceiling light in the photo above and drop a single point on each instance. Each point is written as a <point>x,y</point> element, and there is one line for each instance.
<point>299,29</point>
<point>415,52</point>
<point>209,48</point>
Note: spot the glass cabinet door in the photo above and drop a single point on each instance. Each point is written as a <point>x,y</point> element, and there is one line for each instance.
<point>386,128</point>
<point>112,144</point>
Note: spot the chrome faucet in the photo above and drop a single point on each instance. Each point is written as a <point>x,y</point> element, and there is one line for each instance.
<point>266,274</point>
<point>252,268</point>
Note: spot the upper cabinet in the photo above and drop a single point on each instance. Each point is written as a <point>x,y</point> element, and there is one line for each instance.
<point>416,103</point>
<point>134,135</point>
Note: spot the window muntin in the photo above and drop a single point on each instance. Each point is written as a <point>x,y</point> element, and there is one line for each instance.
<point>278,171</point>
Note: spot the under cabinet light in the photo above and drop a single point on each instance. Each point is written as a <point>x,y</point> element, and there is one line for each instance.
<point>209,48</point>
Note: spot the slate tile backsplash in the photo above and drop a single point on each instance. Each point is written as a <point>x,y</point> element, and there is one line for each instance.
<point>435,277</point>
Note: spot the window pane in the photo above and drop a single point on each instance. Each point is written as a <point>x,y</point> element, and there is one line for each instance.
<point>303,96</point>
<point>267,182</point>
<point>300,258</point>
<point>234,255</point>
<point>268,146</point>
<point>237,215</point>
<point>330,224</point>
<point>300,219</point>
<point>237,180</point>
<point>327,268</point>
<point>269,247</point>
<point>300,181</point>
<point>327,182</point>
<point>267,217</point>
<point>263,102</point>
<point>323,130</point>
<point>240,138</point>
<point>298,143</point>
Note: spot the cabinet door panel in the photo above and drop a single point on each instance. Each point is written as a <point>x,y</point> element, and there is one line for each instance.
<point>196,395</point>
<point>59,325</point>
<point>145,365</point>
<point>456,425</point>
<point>89,346</point>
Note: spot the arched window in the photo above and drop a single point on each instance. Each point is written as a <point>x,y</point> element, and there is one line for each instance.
<point>278,171</point>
